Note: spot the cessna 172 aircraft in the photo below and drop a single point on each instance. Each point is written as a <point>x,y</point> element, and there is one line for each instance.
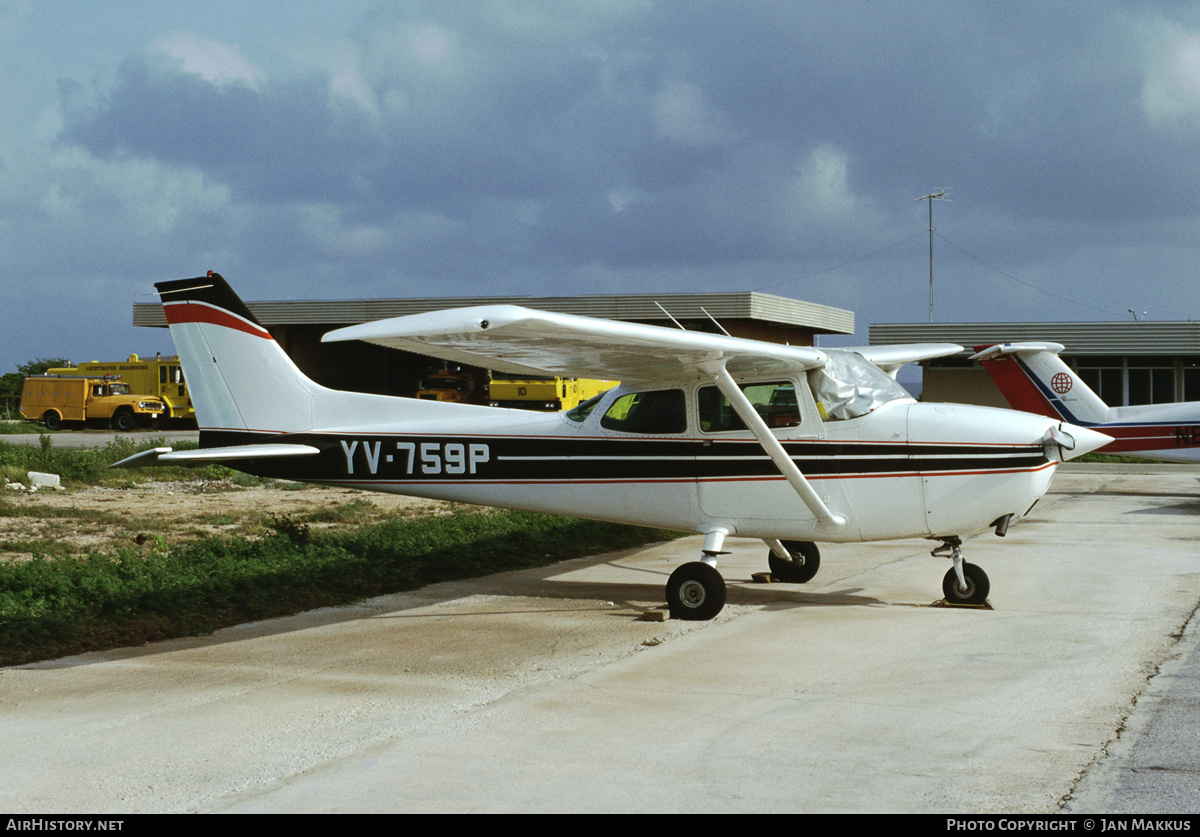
<point>1033,378</point>
<point>706,433</point>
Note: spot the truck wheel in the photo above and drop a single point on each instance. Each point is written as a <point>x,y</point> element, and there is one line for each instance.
<point>123,420</point>
<point>52,420</point>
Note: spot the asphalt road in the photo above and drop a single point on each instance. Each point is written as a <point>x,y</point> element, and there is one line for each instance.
<point>98,439</point>
<point>545,691</point>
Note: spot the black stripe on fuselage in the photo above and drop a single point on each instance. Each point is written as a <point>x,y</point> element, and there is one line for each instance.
<point>503,459</point>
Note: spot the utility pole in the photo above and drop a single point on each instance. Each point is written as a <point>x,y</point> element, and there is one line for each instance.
<point>942,194</point>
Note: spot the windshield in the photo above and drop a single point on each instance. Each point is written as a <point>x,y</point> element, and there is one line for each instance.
<point>849,386</point>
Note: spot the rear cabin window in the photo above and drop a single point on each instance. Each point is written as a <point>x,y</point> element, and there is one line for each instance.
<point>774,402</point>
<point>658,411</point>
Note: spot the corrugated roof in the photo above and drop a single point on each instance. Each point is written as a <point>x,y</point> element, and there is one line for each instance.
<point>744,305</point>
<point>1112,338</point>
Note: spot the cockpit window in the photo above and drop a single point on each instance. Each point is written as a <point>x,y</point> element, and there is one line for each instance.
<point>775,402</point>
<point>849,386</point>
<point>658,411</point>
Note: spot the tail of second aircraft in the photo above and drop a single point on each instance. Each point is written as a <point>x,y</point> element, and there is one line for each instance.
<point>1033,378</point>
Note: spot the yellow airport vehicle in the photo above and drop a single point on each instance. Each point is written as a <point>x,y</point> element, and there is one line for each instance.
<point>160,377</point>
<point>58,400</point>
<point>546,394</point>
<point>457,386</point>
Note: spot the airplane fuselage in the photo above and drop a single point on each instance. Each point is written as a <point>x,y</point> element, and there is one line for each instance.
<point>905,470</point>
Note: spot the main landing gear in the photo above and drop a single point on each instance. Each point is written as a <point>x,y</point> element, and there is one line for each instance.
<point>964,584</point>
<point>696,591</point>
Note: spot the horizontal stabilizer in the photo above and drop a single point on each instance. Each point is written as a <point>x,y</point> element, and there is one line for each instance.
<point>208,456</point>
<point>891,358</point>
<point>1015,348</point>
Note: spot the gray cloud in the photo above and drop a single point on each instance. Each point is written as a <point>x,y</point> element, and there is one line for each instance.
<point>535,148</point>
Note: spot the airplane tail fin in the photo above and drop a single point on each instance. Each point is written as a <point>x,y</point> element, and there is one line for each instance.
<point>1033,378</point>
<point>238,376</point>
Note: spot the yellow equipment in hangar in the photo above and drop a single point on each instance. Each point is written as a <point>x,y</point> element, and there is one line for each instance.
<point>56,400</point>
<point>160,377</point>
<point>546,394</point>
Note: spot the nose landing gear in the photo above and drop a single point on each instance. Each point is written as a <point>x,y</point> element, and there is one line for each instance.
<point>964,584</point>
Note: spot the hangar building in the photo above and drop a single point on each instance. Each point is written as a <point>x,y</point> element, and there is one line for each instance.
<point>1127,362</point>
<point>297,325</point>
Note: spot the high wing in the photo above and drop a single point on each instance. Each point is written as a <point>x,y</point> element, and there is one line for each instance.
<point>516,340</point>
<point>891,358</point>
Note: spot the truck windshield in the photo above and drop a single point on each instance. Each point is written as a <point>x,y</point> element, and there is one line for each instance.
<point>849,386</point>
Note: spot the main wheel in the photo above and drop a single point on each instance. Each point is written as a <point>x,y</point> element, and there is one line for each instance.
<point>977,590</point>
<point>805,561</point>
<point>52,420</point>
<point>695,591</point>
<point>122,420</point>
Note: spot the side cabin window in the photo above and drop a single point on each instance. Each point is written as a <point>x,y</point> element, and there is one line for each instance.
<point>775,403</point>
<point>849,386</point>
<point>657,411</point>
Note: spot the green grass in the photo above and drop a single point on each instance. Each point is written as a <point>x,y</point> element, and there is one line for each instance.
<point>79,466</point>
<point>1117,458</point>
<point>53,606</point>
<point>20,426</point>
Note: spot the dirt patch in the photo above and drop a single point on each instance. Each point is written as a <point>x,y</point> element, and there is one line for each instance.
<point>102,519</point>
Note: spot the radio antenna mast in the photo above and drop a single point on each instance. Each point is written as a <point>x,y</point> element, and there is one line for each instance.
<point>942,194</point>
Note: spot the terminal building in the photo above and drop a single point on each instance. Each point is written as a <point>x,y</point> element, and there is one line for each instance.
<point>297,325</point>
<point>1126,362</point>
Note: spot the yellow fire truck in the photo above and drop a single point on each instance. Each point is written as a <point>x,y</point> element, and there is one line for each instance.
<point>160,377</point>
<point>56,400</point>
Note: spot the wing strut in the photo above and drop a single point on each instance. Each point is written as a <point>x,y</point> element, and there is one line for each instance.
<point>828,521</point>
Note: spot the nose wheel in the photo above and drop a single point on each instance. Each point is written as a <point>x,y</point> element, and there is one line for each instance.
<point>963,584</point>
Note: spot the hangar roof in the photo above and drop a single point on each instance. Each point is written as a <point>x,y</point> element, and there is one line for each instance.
<point>1125,337</point>
<point>744,305</point>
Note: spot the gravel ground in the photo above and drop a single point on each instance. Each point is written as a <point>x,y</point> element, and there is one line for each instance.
<point>102,519</point>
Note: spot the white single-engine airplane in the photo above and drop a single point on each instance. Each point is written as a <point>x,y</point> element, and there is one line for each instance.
<point>706,433</point>
<point>1033,378</point>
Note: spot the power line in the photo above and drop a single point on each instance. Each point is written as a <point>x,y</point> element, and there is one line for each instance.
<point>839,266</point>
<point>1022,281</point>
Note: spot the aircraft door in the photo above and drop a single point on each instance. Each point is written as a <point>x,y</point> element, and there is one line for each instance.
<point>640,468</point>
<point>736,479</point>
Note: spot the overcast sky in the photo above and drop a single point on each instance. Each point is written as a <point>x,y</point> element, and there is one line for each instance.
<point>358,149</point>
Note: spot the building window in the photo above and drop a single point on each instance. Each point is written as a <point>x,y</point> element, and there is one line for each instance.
<point>1121,381</point>
<point>1191,380</point>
